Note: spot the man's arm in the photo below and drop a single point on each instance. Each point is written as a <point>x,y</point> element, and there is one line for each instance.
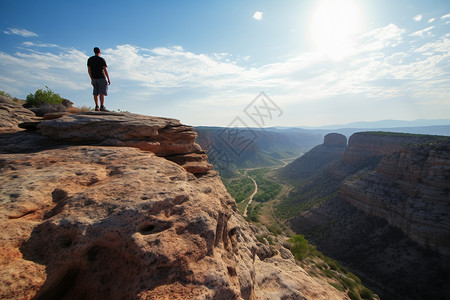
<point>89,71</point>
<point>105,70</point>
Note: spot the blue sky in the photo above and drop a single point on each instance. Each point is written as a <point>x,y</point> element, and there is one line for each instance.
<point>319,62</point>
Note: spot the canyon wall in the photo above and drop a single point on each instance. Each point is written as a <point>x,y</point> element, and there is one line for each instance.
<point>383,210</point>
<point>410,188</point>
<point>331,150</point>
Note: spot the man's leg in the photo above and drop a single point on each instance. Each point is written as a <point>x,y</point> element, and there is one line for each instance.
<point>96,102</point>
<point>102,103</point>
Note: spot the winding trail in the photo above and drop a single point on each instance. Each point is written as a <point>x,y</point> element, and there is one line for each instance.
<point>251,196</point>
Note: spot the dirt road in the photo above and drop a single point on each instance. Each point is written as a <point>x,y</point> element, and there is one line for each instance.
<point>251,196</point>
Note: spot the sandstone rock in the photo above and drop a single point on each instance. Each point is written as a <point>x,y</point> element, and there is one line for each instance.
<point>48,108</point>
<point>411,190</point>
<point>79,221</point>
<point>332,149</point>
<point>11,114</point>
<point>162,136</point>
<point>335,139</point>
<point>120,223</point>
<point>366,145</point>
<point>67,103</point>
<point>55,115</point>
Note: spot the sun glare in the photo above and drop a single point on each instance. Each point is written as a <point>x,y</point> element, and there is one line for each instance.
<point>334,25</point>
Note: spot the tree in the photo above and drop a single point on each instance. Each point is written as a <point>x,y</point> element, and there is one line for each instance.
<point>41,97</point>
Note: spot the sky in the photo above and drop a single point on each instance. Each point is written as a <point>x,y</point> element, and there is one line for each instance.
<point>220,63</point>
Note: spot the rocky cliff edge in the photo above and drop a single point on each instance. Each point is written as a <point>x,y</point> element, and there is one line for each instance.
<point>106,206</point>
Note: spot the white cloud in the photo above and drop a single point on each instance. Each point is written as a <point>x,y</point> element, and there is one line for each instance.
<point>31,44</point>
<point>380,38</point>
<point>440,46</point>
<point>21,32</point>
<point>258,15</point>
<point>424,32</point>
<point>64,71</point>
<point>170,67</point>
<point>431,20</point>
<point>418,18</point>
<point>444,17</point>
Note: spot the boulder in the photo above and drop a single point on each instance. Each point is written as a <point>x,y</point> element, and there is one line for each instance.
<point>12,114</point>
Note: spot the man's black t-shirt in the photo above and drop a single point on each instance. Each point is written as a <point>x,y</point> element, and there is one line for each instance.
<point>96,63</point>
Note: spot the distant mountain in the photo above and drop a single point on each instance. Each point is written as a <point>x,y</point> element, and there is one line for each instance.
<point>253,147</point>
<point>352,128</point>
<point>263,147</point>
<point>388,124</point>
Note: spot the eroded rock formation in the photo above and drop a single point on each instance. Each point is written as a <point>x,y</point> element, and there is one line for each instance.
<point>332,149</point>
<point>383,209</point>
<point>11,114</point>
<point>79,220</point>
<point>162,136</point>
<point>335,139</point>
<point>409,188</point>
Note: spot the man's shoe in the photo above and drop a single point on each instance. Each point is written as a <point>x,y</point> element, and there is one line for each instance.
<point>96,108</point>
<point>102,108</point>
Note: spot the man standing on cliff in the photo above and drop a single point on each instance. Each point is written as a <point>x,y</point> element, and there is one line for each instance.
<point>97,70</point>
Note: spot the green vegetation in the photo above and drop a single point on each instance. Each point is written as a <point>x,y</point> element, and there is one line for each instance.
<point>3,93</point>
<point>41,97</point>
<point>313,261</point>
<point>265,239</point>
<point>317,264</point>
<point>399,134</point>
<point>239,189</point>
<point>253,212</point>
<point>300,247</point>
<point>267,189</point>
<point>288,208</point>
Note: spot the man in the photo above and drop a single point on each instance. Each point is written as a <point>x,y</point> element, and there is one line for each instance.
<point>97,70</point>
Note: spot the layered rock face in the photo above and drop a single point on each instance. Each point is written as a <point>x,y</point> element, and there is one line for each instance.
<point>162,136</point>
<point>84,221</point>
<point>366,145</point>
<point>411,190</point>
<point>383,210</point>
<point>335,139</point>
<point>332,149</point>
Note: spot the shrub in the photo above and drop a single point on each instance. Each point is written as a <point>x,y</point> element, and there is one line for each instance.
<point>337,286</point>
<point>3,93</point>
<point>300,246</point>
<point>353,295</point>
<point>367,294</point>
<point>41,97</point>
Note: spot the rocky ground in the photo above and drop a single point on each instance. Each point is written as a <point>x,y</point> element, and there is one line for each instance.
<point>122,206</point>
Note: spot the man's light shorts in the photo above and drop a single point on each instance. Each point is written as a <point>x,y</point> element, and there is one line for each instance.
<point>100,86</point>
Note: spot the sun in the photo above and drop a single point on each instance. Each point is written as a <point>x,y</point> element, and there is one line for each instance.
<point>334,25</point>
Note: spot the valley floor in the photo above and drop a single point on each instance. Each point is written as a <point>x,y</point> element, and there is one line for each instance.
<point>313,262</point>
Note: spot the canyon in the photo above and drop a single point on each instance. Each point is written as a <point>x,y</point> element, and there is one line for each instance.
<point>381,206</point>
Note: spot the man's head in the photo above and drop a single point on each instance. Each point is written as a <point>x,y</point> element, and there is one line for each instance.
<point>96,51</point>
